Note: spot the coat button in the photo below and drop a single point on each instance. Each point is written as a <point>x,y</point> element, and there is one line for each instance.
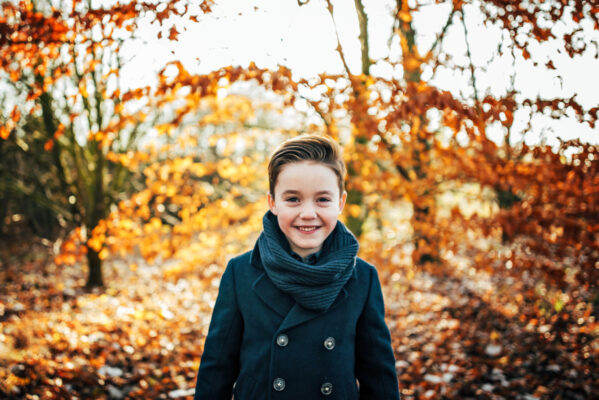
<point>282,340</point>
<point>326,388</point>
<point>329,343</point>
<point>278,384</point>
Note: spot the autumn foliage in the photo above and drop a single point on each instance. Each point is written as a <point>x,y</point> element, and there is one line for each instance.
<point>487,244</point>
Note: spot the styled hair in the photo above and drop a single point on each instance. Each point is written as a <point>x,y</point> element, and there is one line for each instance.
<point>307,148</point>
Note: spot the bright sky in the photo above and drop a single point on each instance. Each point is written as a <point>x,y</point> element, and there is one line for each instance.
<point>280,32</point>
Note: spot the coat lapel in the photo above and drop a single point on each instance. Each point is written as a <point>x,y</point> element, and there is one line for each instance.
<point>271,295</point>
<point>298,314</point>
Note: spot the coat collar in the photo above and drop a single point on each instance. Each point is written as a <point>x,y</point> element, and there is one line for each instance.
<point>292,313</point>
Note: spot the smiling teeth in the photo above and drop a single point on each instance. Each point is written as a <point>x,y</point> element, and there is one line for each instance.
<point>306,229</point>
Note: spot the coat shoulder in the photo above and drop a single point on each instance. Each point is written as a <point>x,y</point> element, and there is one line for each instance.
<point>364,268</point>
<point>241,259</point>
<point>243,268</point>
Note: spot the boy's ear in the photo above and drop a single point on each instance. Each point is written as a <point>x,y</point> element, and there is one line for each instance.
<point>342,200</point>
<point>271,203</point>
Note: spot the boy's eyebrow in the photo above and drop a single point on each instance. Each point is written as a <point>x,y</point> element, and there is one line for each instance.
<point>292,191</point>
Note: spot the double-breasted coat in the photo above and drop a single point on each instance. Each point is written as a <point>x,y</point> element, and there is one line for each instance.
<point>262,345</point>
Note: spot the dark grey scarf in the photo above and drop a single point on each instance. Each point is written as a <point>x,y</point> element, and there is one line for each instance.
<point>314,287</point>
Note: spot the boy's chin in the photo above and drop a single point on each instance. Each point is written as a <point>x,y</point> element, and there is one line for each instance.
<point>305,249</point>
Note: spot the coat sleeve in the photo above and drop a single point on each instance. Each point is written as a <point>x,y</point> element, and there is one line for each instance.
<point>219,366</point>
<point>375,362</point>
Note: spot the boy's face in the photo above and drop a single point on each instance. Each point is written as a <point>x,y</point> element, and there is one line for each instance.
<point>307,204</point>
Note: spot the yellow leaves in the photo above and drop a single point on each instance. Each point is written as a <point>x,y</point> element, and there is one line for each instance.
<point>96,242</point>
<point>83,88</point>
<point>14,75</point>
<point>104,253</point>
<point>11,123</point>
<point>164,129</point>
<point>4,132</point>
<point>130,159</point>
<point>404,15</point>
<point>354,210</point>
<point>227,169</point>
<point>226,109</point>
<point>155,223</point>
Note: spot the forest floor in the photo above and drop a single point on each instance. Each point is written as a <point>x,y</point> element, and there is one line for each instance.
<point>465,336</point>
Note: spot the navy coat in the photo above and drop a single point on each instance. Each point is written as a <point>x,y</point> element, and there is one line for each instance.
<point>261,345</point>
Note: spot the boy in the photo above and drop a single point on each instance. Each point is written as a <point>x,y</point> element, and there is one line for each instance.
<point>300,316</point>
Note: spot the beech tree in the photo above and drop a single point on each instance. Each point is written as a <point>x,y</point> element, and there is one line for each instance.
<point>61,64</point>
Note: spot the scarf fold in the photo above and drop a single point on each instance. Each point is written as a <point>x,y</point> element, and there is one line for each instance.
<point>314,287</point>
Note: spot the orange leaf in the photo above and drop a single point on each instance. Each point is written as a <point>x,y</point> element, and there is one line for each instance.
<point>173,33</point>
<point>59,131</point>
<point>404,16</point>
<point>4,132</point>
<point>49,145</point>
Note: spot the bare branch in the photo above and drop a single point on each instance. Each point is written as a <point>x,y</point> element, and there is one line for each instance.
<point>363,21</point>
<point>339,48</point>
<point>472,77</point>
<point>441,34</point>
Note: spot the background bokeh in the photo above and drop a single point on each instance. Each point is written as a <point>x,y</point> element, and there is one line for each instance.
<point>134,138</point>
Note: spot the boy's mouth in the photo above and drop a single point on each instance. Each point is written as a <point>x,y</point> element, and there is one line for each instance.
<point>307,228</point>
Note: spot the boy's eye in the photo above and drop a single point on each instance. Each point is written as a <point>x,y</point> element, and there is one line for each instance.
<point>323,199</point>
<point>292,199</point>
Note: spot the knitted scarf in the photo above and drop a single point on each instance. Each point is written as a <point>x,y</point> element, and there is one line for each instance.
<point>314,287</point>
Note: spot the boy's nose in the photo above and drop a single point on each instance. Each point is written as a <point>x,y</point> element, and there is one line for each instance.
<point>308,211</point>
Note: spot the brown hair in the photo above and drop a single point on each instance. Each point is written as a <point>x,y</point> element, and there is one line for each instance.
<point>307,148</point>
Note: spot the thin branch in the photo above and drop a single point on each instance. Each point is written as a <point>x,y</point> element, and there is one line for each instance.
<point>75,151</point>
<point>314,106</point>
<point>339,48</point>
<point>19,187</point>
<point>440,37</point>
<point>513,90</point>
<point>472,77</point>
<point>363,21</point>
<point>79,79</point>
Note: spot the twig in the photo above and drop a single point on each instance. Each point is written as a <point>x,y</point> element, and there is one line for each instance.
<point>339,48</point>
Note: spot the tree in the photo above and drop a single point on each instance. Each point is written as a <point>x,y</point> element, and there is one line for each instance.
<point>61,64</point>
<point>398,152</point>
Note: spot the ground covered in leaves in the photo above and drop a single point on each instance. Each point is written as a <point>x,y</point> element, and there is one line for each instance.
<point>468,335</point>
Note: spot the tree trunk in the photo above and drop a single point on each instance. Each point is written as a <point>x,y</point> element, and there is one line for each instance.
<point>97,212</point>
<point>355,223</point>
<point>94,277</point>
<point>426,248</point>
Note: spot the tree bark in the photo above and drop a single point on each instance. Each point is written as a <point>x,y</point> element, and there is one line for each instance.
<point>424,205</point>
<point>94,277</point>
<point>364,45</point>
